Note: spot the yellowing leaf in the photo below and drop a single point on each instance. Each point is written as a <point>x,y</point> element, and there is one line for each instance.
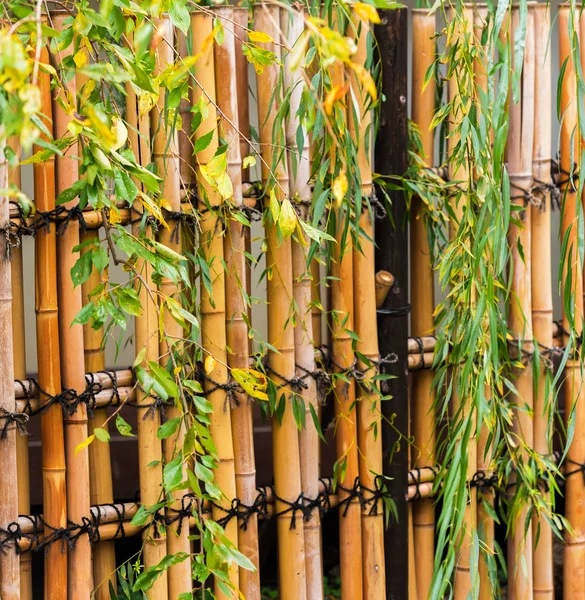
<point>80,58</point>
<point>366,12</point>
<point>209,364</point>
<point>114,216</point>
<point>252,382</point>
<point>339,187</point>
<point>120,133</point>
<point>287,220</point>
<point>86,442</point>
<point>365,79</point>
<point>259,37</point>
<point>146,102</point>
<point>249,161</point>
<point>274,206</point>
<point>337,93</point>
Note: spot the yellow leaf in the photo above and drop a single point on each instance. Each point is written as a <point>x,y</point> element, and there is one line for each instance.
<point>366,79</point>
<point>80,58</point>
<point>339,187</point>
<point>146,102</point>
<point>114,216</point>
<point>259,37</point>
<point>337,93</point>
<point>287,220</point>
<point>366,12</point>
<point>274,206</point>
<point>86,442</point>
<point>120,133</point>
<point>253,382</point>
<point>209,364</point>
<point>249,161</point>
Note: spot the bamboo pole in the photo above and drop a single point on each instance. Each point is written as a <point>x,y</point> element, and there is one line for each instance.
<point>423,302</point>
<point>213,328</point>
<point>542,302</point>
<point>364,301</point>
<point>53,455</point>
<point>240,18</point>
<point>574,559</point>
<point>299,168</point>
<point>166,159</point>
<point>519,157</point>
<point>71,348</point>
<point>19,352</point>
<point>9,562</point>
<point>234,246</point>
<point>384,283</point>
<point>146,341</point>
<point>287,470</point>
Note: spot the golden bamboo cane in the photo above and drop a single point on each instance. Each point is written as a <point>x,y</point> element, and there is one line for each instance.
<point>364,302</point>
<point>166,159</point>
<point>71,348</point>
<point>422,294</point>
<point>293,25</point>
<point>146,340</point>
<point>574,560</point>
<point>519,157</point>
<point>286,454</point>
<point>19,351</point>
<point>52,438</point>
<point>234,247</point>
<point>9,562</point>
<point>213,327</point>
<point>542,302</point>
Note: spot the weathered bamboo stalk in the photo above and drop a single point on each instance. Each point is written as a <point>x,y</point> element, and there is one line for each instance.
<point>71,349</point>
<point>519,157</point>
<point>292,25</point>
<point>542,302</point>
<point>9,561</point>
<point>234,247</point>
<point>574,559</point>
<point>52,438</point>
<point>368,394</point>
<point>19,352</point>
<point>146,342</point>
<point>166,159</point>
<point>422,303</point>
<point>286,456</point>
<point>240,18</point>
<point>213,327</point>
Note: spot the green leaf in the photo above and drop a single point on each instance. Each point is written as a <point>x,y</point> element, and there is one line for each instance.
<point>101,434</point>
<point>168,428</point>
<point>173,473</point>
<point>129,301</point>
<point>81,270</point>
<point>179,15</point>
<point>123,427</point>
<point>203,142</point>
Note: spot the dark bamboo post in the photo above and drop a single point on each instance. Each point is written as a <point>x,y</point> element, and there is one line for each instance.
<point>52,438</point>
<point>542,301</point>
<point>9,561</point>
<point>72,358</point>
<point>286,454</point>
<point>392,246</point>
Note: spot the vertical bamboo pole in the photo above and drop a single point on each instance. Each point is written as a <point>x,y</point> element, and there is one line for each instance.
<point>422,303</point>
<point>462,583</point>
<point>71,347</point>
<point>519,157</point>
<point>299,168</point>
<point>53,456</point>
<point>146,338</point>
<point>574,560</point>
<point>240,18</point>
<point>364,301</point>
<point>100,467</point>
<point>234,247</point>
<point>287,470</point>
<point>542,302</point>
<point>9,561</point>
<point>213,328</point>
<point>341,311</point>
<point>166,159</point>
<point>19,352</point>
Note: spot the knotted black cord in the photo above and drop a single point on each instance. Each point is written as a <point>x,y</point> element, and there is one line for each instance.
<point>19,419</point>
<point>484,480</point>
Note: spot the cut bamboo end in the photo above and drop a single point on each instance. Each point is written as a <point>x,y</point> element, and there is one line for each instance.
<point>384,283</point>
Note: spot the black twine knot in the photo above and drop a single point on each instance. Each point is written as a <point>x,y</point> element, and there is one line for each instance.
<point>17,418</point>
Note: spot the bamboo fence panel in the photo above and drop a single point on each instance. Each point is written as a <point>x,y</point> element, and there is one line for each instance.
<point>542,302</point>
<point>49,377</point>
<point>166,158</point>
<point>213,311</point>
<point>292,24</point>
<point>71,348</point>
<point>146,345</point>
<point>281,361</point>
<point>19,352</point>
<point>9,562</point>
<point>574,558</point>
<point>236,282</point>
<point>364,302</point>
<point>462,583</point>
<point>422,294</point>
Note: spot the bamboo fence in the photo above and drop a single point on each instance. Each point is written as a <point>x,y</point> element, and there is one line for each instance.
<point>83,518</point>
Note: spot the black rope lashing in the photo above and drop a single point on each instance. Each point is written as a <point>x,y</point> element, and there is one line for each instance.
<point>60,216</point>
<point>19,419</point>
<point>372,496</point>
<point>231,387</point>
<point>296,383</point>
<point>11,239</point>
<point>484,480</point>
<point>321,378</point>
<point>394,311</point>
<point>188,502</point>
<point>579,468</point>
<point>524,194</point>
